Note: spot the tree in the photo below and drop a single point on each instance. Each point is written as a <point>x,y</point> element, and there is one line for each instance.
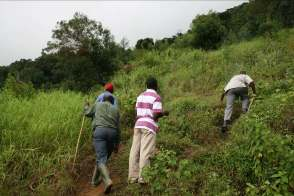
<point>17,88</point>
<point>83,46</point>
<point>79,35</point>
<point>146,44</point>
<point>124,43</point>
<point>3,75</point>
<point>208,31</point>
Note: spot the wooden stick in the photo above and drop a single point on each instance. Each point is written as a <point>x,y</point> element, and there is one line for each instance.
<point>251,101</point>
<point>78,142</point>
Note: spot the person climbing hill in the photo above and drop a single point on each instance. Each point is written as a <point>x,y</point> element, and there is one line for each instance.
<point>106,137</point>
<point>237,87</point>
<point>149,110</point>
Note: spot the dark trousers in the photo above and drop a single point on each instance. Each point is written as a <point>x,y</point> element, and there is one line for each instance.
<point>104,140</point>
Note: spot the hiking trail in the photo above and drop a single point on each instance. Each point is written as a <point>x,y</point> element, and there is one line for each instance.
<point>83,181</point>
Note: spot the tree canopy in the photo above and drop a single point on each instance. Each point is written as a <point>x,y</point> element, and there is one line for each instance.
<point>80,55</point>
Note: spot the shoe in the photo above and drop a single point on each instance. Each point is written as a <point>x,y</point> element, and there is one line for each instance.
<point>142,181</point>
<point>224,129</point>
<point>226,123</point>
<point>96,178</point>
<point>133,180</point>
<point>105,177</point>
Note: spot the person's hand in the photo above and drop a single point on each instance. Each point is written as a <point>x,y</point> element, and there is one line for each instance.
<point>222,97</point>
<point>87,102</point>
<point>116,148</point>
<point>166,113</point>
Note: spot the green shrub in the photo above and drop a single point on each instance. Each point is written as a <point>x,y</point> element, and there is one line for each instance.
<point>18,89</point>
<point>38,136</point>
<point>170,176</point>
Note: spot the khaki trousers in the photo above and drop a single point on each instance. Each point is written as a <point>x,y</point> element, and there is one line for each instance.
<point>143,148</point>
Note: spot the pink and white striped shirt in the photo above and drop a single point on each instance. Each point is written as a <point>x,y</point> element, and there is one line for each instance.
<point>148,103</point>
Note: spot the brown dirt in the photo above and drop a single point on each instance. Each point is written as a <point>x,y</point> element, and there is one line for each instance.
<point>84,187</point>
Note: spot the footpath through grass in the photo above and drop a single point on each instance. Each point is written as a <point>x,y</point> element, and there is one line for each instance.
<point>38,134</point>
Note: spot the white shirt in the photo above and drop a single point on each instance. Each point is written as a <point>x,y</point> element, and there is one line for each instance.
<point>241,80</point>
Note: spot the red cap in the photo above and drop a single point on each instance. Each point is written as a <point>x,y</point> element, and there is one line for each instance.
<point>108,87</point>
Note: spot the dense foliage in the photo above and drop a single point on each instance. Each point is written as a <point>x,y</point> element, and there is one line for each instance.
<point>244,22</point>
<point>82,54</point>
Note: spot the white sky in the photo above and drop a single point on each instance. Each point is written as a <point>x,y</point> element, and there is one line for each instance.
<point>26,26</point>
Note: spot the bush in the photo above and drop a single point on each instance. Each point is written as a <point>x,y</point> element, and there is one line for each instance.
<point>208,31</point>
<point>170,176</point>
<point>38,136</point>
<point>18,89</point>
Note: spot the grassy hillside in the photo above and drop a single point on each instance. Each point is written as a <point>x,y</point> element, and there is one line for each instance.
<point>38,134</point>
<point>194,158</point>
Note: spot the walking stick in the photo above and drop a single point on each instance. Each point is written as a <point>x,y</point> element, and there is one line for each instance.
<point>252,100</point>
<point>78,142</point>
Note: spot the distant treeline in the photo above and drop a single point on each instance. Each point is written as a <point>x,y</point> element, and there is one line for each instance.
<point>210,31</point>
<point>82,53</point>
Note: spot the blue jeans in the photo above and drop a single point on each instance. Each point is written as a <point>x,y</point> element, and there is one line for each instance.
<point>104,140</point>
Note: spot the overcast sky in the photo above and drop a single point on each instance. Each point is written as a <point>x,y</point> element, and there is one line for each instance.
<point>25,27</point>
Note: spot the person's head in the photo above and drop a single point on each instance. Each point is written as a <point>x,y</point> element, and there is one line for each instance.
<point>151,83</point>
<point>109,87</point>
<point>242,72</point>
<point>109,99</point>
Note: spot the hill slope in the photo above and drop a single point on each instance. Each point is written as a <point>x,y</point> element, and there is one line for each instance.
<point>193,158</point>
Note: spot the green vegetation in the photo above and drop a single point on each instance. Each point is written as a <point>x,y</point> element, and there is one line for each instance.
<point>243,22</point>
<point>81,54</point>
<point>38,135</point>
<point>39,128</point>
<point>194,158</point>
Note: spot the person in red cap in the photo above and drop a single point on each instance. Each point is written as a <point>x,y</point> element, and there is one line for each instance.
<point>108,87</point>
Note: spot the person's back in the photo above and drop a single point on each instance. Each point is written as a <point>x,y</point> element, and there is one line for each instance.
<point>148,103</point>
<point>238,81</point>
<point>108,92</point>
<point>106,115</point>
<point>236,87</point>
<point>106,137</point>
<point>149,110</point>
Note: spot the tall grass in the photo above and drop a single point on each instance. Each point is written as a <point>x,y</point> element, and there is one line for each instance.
<point>38,136</point>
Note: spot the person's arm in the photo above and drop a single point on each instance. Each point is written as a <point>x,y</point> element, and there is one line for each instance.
<point>222,96</point>
<point>249,81</point>
<point>158,110</point>
<point>100,98</point>
<point>115,103</point>
<point>161,114</point>
<point>89,111</point>
<point>252,85</point>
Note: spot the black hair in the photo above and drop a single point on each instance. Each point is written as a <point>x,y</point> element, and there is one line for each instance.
<point>151,83</point>
<point>109,98</point>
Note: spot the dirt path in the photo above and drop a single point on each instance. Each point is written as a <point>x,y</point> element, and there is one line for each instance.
<point>117,175</point>
<point>88,190</point>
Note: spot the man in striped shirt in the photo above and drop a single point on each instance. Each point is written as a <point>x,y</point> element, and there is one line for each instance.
<point>149,110</point>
